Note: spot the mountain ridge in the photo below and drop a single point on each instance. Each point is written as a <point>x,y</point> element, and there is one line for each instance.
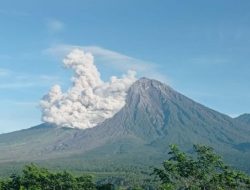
<point>244,118</point>
<point>154,116</point>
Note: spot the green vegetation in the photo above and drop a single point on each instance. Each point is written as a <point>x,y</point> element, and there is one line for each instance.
<point>203,170</point>
<point>36,178</point>
<point>206,171</point>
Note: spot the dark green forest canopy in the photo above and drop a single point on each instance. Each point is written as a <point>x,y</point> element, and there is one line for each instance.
<point>34,177</point>
<point>37,178</point>
<point>205,171</point>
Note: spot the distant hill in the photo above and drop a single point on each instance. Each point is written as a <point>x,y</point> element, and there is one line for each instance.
<point>135,138</point>
<point>244,118</point>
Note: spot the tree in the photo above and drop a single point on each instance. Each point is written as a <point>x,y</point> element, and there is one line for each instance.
<point>85,182</point>
<point>107,186</point>
<point>13,183</point>
<point>37,178</point>
<point>205,171</point>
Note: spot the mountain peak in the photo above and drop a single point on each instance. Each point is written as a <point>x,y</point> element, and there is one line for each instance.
<point>154,116</point>
<point>142,91</point>
<point>144,80</point>
<point>146,84</point>
<point>154,110</point>
<point>147,81</point>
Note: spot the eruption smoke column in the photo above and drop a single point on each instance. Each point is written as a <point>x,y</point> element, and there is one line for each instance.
<point>90,100</point>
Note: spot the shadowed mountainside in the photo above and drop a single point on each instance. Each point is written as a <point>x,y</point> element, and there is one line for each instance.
<point>154,116</point>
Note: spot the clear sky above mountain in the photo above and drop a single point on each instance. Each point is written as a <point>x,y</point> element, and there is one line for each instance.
<point>200,48</point>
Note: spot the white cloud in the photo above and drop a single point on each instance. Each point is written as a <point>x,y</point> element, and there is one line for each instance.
<point>112,59</point>
<point>55,25</point>
<point>90,100</point>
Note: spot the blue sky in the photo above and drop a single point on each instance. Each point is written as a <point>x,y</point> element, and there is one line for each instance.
<point>200,48</point>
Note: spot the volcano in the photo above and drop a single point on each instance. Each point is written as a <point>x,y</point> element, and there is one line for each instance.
<point>138,136</point>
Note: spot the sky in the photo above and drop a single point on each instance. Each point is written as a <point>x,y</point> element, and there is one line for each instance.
<point>200,48</point>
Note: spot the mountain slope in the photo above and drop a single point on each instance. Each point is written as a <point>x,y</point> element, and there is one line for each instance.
<point>244,118</point>
<point>154,116</point>
<point>154,110</point>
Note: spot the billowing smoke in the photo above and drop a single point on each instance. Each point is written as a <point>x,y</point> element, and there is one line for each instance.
<point>90,100</point>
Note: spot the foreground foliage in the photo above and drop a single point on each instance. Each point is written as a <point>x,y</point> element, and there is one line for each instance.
<point>206,171</point>
<point>36,178</point>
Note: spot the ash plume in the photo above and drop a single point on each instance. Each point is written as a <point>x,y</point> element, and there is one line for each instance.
<point>89,101</point>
